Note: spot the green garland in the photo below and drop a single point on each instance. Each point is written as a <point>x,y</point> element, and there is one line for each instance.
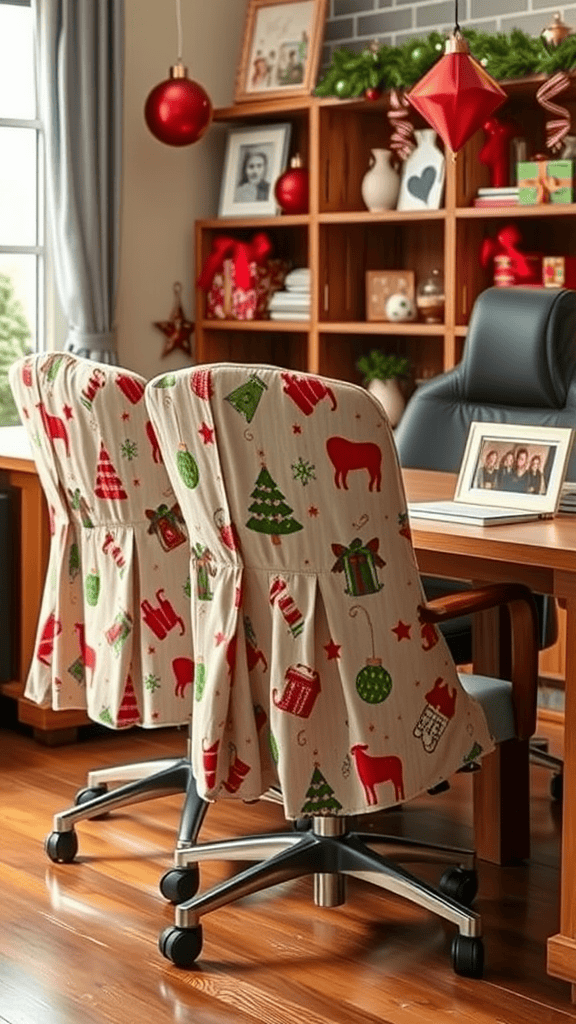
<point>516,55</point>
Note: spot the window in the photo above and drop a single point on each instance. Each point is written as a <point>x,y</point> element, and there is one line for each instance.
<point>21,206</point>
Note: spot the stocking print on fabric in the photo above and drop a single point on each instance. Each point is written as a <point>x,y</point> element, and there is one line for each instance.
<point>114,632</point>
<point>312,667</point>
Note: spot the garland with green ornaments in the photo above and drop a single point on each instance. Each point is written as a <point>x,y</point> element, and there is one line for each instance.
<point>380,68</point>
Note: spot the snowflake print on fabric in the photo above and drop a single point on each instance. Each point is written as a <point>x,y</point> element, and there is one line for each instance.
<point>152,683</point>
<point>129,449</point>
<point>303,471</point>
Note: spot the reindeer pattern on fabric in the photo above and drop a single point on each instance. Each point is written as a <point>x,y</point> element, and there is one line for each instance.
<point>312,669</point>
<point>114,633</point>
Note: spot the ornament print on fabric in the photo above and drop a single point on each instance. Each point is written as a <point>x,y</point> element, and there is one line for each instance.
<point>320,796</point>
<point>167,525</point>
<point>187,467</point>
<point>204,569</point>
<point>347,456</point>
<point>73,562</point>
<point>246,398</point>
<point>108,484</point>
<point>96,381</point>
<point>201,384</point>
<point>92,588</point>
<point>54,427</point>
<point>359,563</point>
<point>112,549</point>
<point>162,618</point>
<point>132,389</point>
<point>302,686</point>
<point>183,669</point>
<point>79,503</point>
<point>280,596</point>
<point>373,771</point>
<point>271,514</point>
<point>438,710</point>
<point>373,682</point>
<point>306,392</point>
<point>228,532</point>
<point>52,366</point>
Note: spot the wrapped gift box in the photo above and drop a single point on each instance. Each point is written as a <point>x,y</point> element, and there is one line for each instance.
<point>225,301</point>
<point>545,181</point>
<point>559,271</point>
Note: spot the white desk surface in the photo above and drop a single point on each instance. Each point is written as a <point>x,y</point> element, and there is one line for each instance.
<point>14,443</point>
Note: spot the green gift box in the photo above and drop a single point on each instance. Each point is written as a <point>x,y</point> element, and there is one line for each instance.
<point>545,181</point>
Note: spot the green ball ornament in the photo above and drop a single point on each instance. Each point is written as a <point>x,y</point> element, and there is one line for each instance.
<point>92,588</point>
<point>373,682</point>
<point>342,88</point>
<point>187,467</point>
<point>199,680</point>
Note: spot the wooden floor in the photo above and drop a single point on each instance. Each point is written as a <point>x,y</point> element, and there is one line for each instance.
<point>78,943</point>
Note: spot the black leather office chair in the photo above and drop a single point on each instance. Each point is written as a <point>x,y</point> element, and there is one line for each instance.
<point>519,367</point>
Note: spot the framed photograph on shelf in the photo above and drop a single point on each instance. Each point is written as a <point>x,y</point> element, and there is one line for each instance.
<point>281,48</point>
<point>255,158</point>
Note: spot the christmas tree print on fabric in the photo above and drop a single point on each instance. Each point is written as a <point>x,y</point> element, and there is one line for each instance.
<point>321,799</point>
<point>246,398</point>
<point>271,513</point>
<point>108,483</point>
<point>128,713</point>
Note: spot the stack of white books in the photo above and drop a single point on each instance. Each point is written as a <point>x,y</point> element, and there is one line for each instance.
<point>505,196</point>
<point>293,303</point>
<point>568,498</point>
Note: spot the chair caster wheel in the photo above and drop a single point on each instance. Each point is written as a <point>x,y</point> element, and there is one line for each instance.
<point>460,884</point>
<point>557,787</point>
<point>468,956</point>
<point>83,796</point>
<point>302,824</point>
<point>180,884</point>
<point>181,945</point>
<point>61,847</point>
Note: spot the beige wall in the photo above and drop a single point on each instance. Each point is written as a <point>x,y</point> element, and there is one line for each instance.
<point>166,188</point>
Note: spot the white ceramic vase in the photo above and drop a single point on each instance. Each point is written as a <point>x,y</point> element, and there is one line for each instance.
<point>423,174</point>
<point>381,183</point>
<point>388,393</point>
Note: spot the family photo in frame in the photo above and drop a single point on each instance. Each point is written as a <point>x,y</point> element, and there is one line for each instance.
<point>281,48</point>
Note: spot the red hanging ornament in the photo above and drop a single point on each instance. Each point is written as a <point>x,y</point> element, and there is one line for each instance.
<point>292,188</point>
<point>457,94</point>
<point>177,329</point>
<point>178,111</point>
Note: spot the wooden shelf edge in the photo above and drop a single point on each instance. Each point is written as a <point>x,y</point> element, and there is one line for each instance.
<point>281,221</point>
<point>382,327</point>
<point>256,325</point>
<point>493,213</point>
<point>386,217</point>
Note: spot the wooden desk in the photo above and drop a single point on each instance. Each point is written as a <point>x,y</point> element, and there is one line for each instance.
<point>18,470</point>
<point>542,555</point>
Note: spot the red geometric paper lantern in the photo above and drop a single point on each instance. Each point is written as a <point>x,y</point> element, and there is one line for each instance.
<point>457,94</point>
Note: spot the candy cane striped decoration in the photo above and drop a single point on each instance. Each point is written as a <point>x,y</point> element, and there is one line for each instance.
<point>556,129</point>
<point>400,142</point>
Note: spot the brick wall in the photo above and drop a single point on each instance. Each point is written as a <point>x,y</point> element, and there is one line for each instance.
<point>354,23</point>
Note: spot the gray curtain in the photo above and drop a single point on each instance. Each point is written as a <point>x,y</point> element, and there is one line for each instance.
<point>80,47</point>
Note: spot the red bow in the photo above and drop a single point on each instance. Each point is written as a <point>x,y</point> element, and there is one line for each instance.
<point>243,255</point>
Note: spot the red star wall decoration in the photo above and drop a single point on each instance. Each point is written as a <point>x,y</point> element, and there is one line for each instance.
<point>177,329</point>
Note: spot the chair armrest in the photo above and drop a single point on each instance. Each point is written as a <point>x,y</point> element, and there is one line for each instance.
<point>523,621</point>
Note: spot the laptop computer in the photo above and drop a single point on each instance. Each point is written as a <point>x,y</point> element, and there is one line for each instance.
<point>509,474</point>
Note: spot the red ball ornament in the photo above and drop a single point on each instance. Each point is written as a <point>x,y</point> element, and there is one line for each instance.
<point>293,188</point>
<point>178,111</point>
<point>372,94</point>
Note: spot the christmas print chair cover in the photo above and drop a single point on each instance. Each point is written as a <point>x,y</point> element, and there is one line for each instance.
<point>312,668</point>
<point>114,632</point>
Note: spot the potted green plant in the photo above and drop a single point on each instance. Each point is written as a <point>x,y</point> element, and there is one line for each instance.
<point>380,372</point>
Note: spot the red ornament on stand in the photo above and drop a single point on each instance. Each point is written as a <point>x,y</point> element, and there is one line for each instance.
<point>293,188</point>
<point>178,111</point>
<point>457,94</point>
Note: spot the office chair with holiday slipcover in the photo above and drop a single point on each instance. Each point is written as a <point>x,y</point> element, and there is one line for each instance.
<point>113,634</point>
<point>518,366</point>
<point>318,667</point>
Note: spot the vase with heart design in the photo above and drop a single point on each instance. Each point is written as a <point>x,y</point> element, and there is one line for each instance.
<point>423,174</point>
<point>381,183</point>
